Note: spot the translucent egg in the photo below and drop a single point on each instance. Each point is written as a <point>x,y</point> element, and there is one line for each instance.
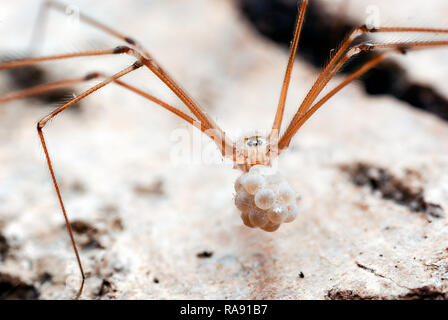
<point>252,182</point>
<point>238,185</point>
<point>261,170</point>
<point>278,213</point>
<point>243,201</point>
<point>271,227</point>
<point>286,193</point>
<point>293,211</point>
<point>258,217</point>
<point>274,180</point>
<point>257,169</point>
<point>264,198</point>
<point>246,220</point>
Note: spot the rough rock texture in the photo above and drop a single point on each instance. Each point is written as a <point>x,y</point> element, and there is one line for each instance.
<point>151,228</point>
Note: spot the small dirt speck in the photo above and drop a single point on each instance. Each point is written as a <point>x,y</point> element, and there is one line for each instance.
<point>205,254</point>
<point>156,188</point>
<point>105,288</point>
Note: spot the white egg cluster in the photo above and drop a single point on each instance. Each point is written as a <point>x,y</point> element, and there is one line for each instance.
<point>265,199</point>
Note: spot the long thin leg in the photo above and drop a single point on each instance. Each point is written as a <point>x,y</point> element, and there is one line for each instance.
<point>227,145</point>
<point>33,91</point>
<point>287,79</point>
<point>44,88</point>
<point>27,62</point>
<point>289,134</point>
<point>41,124</point>
<point>319,83</point>
<point>300,119</point>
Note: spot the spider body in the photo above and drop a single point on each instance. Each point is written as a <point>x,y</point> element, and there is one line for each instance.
<point>253,149</point>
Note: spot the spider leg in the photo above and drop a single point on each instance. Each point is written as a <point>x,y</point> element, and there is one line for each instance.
<point>287,79</point>
<point>227,146</point>
<point>44,88</point>
<point>320,82</point>
<point>301,118</point>
<point>30,61</point>
<point>33,91</point>
<point>41,124</point>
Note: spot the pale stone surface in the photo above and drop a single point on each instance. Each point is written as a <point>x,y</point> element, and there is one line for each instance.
<point>344,238</point>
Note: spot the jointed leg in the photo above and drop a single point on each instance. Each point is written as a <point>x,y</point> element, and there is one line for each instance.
<point>320,82</point>
<point>281,104</point>
<point>27,62</point>
<point>300,118</point>
<point>227,147</point>
<point>34,91</point>
<point>294,127</point>
<point>44,121</point>
<point>41,124</point>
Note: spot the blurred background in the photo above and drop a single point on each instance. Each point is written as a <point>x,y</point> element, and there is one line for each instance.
<point>152,228</point>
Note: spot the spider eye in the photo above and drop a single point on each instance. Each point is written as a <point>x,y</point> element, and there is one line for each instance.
<point>255,141</point>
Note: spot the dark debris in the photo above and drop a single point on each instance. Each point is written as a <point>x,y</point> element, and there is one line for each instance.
<point>4,247</point>
<point>205,254</point>
<point>422,293</point>
<point>106,288</point>
<point>91,239</point>
<point>391,188</point>
<point>13,288</point>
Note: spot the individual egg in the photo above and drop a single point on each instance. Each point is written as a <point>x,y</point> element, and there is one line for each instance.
<point>262,170</point>
<point>258,218</point>
<point>246,220</point>
<point>278,213</point>
<point>275,180</point>
<point>264,199</point>
<point>271,227</point>
<point>293,211</point>
<point>252,182</point>
<point>257,169</point>
<point>243,201</point>
<point>286,193</point>
<point>238,185</point>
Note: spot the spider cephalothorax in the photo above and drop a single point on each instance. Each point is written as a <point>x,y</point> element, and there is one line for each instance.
<point>253,149</point>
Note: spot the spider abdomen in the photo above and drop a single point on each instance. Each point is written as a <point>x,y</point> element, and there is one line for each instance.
<point>265,199</point>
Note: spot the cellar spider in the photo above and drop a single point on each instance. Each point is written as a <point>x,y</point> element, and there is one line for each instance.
<point>263,196</point>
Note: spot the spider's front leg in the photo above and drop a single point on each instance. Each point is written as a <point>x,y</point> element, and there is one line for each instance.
<point>41,124</point>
